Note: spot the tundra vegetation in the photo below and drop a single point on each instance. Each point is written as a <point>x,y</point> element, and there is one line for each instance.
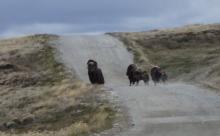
<point>190,53</point>
<point>40,97</point>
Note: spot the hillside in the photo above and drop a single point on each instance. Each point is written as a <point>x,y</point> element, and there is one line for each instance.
<point>40,97</point>
<point>190,53</point>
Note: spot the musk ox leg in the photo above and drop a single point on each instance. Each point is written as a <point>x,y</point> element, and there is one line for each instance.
<point>164,78</point>
<point>92,77</point>
<point>155,83</point>
<point>133,82</point>
<point>130,83</point>
<point>146,82</point>
<point>137,83</point>
<point>130,79</point>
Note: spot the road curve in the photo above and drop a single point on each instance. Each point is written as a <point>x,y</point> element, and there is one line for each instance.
<point>174,109</point>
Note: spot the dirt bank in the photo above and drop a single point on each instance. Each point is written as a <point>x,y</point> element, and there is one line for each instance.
<point>189,53</point>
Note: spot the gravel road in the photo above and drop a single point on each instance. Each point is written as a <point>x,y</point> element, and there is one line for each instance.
<point>172,109</point>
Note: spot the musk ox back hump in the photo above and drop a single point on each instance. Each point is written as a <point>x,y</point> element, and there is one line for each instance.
<point>131,68</point>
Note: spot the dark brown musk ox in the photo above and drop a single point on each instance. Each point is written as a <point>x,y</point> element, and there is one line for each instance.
<point>130,73</point>
<point>95,73</point>
<point>156,74</point>
<point>145,77</point>
<point>164,77</point>
<point>135,75</point>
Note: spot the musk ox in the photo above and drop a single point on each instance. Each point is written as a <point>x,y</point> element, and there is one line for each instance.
<point>140,75</point>
<point>156,74</point>
<point>145,77</point>
<point>130,73</point>
<point>164,76</point>
<point>95,73</point>
<point>135,75</point>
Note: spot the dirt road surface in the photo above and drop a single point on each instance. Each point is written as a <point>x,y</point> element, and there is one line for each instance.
<point>172,109</point>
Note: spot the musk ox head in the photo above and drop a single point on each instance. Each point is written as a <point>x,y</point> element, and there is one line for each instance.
<point>92,65</point>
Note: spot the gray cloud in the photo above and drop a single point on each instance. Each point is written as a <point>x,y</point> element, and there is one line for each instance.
<point>83,16</point>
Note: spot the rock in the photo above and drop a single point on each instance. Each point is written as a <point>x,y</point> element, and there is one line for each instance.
<point>76,113</point>
<point>17,121</point>
<point>2,127</point>
<point>27,120</point>
<point>5,66</point>
<point>2,114</point>
<point>10,125</point>
<point>96,134</point>
<point>116,125</point>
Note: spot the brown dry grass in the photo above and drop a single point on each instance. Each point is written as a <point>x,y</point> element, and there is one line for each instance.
<point>40,89</point>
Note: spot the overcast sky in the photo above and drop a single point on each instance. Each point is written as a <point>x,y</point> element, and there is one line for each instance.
<point>97,16</point>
